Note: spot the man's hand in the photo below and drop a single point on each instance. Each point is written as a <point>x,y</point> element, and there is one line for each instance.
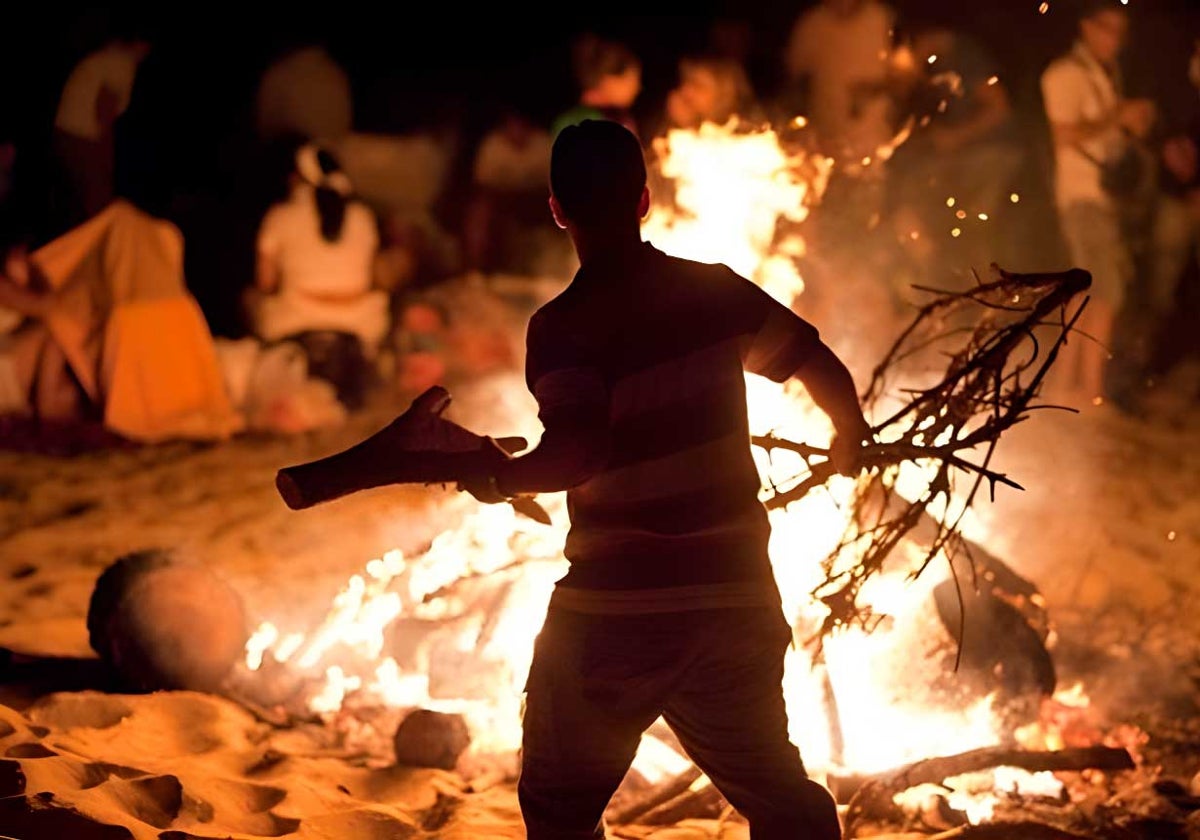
<point>1136,116</point>
<point>483,488</point>
<point>846,451</point>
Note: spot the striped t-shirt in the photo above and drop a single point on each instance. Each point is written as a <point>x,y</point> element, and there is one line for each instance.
<point>658,345</point>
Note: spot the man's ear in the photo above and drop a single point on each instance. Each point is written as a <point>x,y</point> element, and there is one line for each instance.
<point>557,212</point>
<point>643,203</point>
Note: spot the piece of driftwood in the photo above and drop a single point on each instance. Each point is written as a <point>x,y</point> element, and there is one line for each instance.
<point>420,447</point>
<point>162,623</point>
<point>663,792</point>
<point>874,799</point>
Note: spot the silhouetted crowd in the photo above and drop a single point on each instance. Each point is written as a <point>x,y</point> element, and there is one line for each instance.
<point>358,248</point>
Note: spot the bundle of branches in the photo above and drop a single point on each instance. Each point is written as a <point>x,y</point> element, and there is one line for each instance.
<point>1015,326</point>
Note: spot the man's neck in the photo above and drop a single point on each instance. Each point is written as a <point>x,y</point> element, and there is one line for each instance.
<point>593,245</point>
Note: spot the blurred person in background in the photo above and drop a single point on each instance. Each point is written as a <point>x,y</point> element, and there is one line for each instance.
<point>508,202</point>
<point>1099,182</point>
<point>609,76</point>
<point>304,93</point>
<point>964,153</point>
<point>836,66</point>
<point>1150,331</point>
<point>711,89</point>
<point>95,94</point>
<point>315,275</point>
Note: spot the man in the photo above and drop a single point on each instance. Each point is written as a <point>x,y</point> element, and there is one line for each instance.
<point>965,148</point>
<point>670,607</point>
<point>840,50</point>
<point>1093,125</point>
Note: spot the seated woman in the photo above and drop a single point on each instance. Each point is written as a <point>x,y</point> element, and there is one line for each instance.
<point>316,251</point>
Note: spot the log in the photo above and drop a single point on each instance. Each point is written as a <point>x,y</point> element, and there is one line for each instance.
<point>661,793</point>
<point>873,801</point>
<point>161,623</point>
<point>702,803</point>
<point>1024,830</point>
<point>420,446</point>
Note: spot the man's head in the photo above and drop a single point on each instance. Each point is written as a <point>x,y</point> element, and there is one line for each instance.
<point>1103,27</point>
<point>597,176</point>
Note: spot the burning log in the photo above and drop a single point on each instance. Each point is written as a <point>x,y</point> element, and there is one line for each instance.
<point>1024,830</point>
<point>662,793</point>
<point>164,624</point>
<point>691,804</point>
<point>874,799</point>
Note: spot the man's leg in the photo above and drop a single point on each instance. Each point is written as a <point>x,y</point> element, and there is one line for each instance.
<point>595,684</point>
<point>729,714</point>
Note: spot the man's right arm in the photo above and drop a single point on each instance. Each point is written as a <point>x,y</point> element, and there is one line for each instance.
<point>831,387</point>
<point>785,346</point>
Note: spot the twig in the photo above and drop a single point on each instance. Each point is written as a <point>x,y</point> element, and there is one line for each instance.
<point>988,386</point>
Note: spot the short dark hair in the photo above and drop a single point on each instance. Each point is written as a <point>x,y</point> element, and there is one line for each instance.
<point>597,172</point>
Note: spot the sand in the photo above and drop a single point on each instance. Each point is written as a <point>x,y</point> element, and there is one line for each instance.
<point>1109,527</point>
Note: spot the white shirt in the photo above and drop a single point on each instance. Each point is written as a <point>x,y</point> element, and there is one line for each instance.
<point>322,285</point>
<point>1076,89</point>
<point>111,68</point>
<point>842,54</point>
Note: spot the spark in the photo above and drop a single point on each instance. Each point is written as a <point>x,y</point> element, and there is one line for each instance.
<point>931,59</point>
<point>956,232</point>
<point>1014,198</point>
<point>1171,536</point>
<point>950,201</point>
<point>983,217</point>
<point>961,214</point>
<point>993,80</point>
<point>1097,400</point>
<point>866,161</point>
<point>1042,9</point>
<point>800,122</point>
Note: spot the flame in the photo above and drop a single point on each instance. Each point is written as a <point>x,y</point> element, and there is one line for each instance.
<point>739,198</point>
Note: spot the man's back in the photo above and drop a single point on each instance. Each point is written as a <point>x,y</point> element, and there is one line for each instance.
<point>673,520</point>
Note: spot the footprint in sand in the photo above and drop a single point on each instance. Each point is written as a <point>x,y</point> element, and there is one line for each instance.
<point>87,709</point>
<point>363,824</point>
<point>270,826</point>
<point>245,797</point>
<point>31,749</point>
<point>155,800</point>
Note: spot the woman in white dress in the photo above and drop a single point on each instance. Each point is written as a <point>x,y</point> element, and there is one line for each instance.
<point>316,252</point>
